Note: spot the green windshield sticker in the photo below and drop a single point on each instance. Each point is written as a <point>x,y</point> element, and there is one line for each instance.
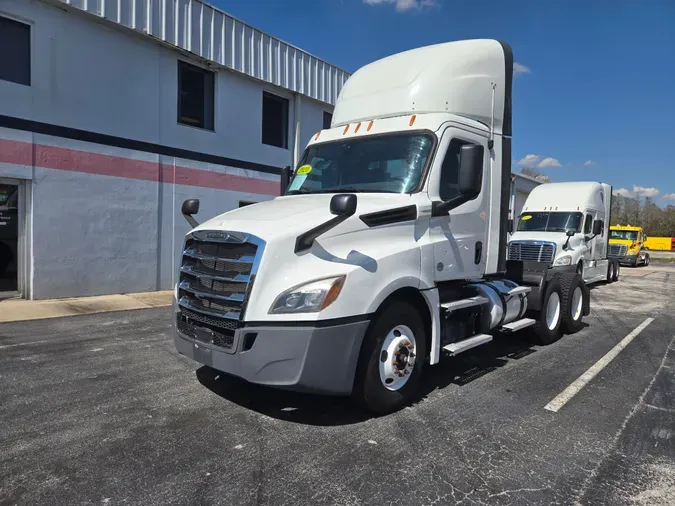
<point>305,169</point>
<point>525,218</point>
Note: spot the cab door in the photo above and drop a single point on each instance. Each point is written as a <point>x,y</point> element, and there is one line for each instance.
<point>459,238</point>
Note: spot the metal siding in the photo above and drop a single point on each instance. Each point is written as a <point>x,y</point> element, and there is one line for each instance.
<point>205,31</point>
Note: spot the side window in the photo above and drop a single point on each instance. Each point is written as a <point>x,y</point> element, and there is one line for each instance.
<point>588,224</point>
<point>195,96</point>
<point>449,186</point>
<point>15,63</point>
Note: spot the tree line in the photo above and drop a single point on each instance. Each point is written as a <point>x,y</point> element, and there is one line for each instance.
<point>643,212</point>
<point>640,212</point>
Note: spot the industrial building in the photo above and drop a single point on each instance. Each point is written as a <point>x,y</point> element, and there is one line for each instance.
<point>112,112</point>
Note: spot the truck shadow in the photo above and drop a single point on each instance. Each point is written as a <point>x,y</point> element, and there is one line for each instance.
<point>319,410</point>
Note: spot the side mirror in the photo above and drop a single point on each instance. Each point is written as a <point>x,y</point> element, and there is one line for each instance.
<point>285,179</point>
<point>470,170</point>
<point>343,204</point>
<point>598,225</point>
<point>190,207</point>
<point>510,226</point>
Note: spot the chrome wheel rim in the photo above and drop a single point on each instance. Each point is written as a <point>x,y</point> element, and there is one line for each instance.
<point>397,357</point>
<point>577,303</point>
<point>553,311</point>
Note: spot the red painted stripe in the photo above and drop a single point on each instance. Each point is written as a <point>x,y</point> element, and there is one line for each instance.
<point>50,157</point>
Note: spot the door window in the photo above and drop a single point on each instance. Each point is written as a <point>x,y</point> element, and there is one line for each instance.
<point>449,185</point>
<point>588,224</point>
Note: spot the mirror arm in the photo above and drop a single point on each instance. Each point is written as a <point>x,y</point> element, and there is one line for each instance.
<point>193,223</point>
<point>442,207</point>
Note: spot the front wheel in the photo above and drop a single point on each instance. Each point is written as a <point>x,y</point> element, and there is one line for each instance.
<point>391,359</point>
<point>646,260</point>
<point>611,270</point>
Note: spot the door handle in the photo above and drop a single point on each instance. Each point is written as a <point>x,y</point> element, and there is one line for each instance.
<point>478,254</point>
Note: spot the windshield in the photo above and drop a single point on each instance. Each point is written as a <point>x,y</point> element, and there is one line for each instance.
<point>392,163</point>
<point>550,222</point>
<point>629,235</point>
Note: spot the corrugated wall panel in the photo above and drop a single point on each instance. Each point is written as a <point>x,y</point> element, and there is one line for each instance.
<point>195,26</point>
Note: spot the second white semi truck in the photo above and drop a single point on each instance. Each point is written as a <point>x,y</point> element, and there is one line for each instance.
<point>567,226</point>
<point>387,246</point>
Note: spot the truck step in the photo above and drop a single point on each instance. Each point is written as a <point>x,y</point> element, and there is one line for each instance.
<point>519,290</point>
<point>464,303</point>
<point>467,344</point>
<point>518,325</point>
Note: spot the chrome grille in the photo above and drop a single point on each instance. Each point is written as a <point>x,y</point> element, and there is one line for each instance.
<point>532,251</point>
<point>617,250</point>
<point>216,275</point>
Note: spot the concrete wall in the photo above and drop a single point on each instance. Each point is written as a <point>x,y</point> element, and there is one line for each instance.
<point>105,218</point>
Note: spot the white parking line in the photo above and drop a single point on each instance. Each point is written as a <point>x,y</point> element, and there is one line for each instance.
<point>582,380</point>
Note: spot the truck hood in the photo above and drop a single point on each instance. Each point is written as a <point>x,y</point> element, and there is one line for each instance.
<point>293,215</point>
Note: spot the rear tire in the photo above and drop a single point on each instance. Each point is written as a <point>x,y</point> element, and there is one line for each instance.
<point>376,387</point>
<point>546,330</point>
<point>611,270</point>
<point>617,270</point>
<point>573,296</point>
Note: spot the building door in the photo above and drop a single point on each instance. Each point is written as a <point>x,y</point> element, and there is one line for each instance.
<point>9,237</point>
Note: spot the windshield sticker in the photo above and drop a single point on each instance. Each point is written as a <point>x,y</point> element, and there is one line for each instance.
<point>525,218</point>
<point>304,170</point>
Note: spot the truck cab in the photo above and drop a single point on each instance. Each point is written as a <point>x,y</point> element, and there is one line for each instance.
<point>632,240</point>
<point>387,245</point>
<point>567,226</point>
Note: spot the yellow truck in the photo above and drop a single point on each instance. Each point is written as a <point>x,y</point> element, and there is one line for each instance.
<point>633,239</point>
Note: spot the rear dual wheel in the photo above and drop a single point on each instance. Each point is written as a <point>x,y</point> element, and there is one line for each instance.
<point>562,308</point>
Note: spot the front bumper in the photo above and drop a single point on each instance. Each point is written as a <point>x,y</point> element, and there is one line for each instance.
<point>629,260</point>
<point>319,359</point>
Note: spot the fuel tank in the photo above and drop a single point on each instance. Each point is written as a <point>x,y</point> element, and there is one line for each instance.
<point>502,308</point>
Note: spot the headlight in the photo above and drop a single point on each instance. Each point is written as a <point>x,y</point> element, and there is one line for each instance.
<point>565,260</point>
<point>310,297</point>
<point>631,253</point>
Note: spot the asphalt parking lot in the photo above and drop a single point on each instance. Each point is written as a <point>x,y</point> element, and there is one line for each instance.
<point>100,409</point>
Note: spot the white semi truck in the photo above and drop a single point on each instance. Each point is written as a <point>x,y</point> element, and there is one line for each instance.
<point>387,247</point>
<point>567,226</point>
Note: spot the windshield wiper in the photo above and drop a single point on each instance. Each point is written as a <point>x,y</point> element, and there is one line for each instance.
<point>299,191</point>
<point>340,190</point>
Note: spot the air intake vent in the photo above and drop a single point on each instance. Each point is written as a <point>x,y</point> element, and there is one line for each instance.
<point>390,216</point>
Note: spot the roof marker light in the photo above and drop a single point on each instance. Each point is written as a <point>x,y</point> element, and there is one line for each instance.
<point>317,135</point>
<point>345,130</point>
<point>370,125</point>
<point>357,127</point>
<point>412,119</point>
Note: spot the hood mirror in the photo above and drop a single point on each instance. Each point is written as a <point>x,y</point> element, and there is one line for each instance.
<point>343,204</point>
<point>189,208</point>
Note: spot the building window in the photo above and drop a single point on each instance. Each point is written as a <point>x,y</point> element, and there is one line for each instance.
<point>327,118</point>
<point>14,62</point>
<point>275,120</point>
<point>195,96</point>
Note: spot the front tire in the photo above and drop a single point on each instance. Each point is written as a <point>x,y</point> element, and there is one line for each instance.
<point>617,270</point>
<point>391,360</point>
<point>611,271</point>
<point>546,330</point>
<point>573,297</point>
<point>647,260</point>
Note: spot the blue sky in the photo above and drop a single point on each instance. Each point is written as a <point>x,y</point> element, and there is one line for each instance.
<point>596,94</point>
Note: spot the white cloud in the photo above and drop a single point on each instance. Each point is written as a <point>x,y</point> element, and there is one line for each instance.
<point>404,5</point>
<point>641,191</point>
<point>624,192</point>
<point>669,196</point>
<point>588,163</point>
<point>529,161</point>
<point>519,68</point>
<point>549,162</point>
